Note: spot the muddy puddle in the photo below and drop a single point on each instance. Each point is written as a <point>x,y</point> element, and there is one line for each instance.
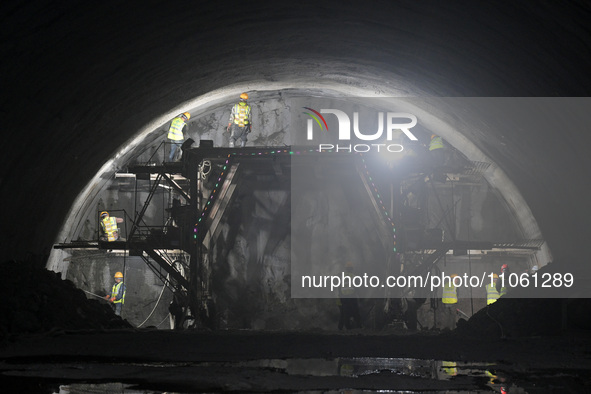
<point>301,375</point>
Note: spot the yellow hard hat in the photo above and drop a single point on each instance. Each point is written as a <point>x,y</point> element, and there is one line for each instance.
<point>187,115</point>
<point>104,214</point>
<point>244,96</point>
<point>433,136</point>
<point>495,276</point>
<point>453,275</point>
<point>118,275</point>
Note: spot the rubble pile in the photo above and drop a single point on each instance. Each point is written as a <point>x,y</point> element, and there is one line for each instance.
<point>38,300</point>
<point>518,317</point>
<point>522,314</point>
<point>515,317</point>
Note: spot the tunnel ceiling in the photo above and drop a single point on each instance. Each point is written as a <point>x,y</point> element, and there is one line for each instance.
<point>79,81</point>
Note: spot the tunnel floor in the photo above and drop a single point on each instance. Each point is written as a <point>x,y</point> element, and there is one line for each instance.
<point>252,361</point>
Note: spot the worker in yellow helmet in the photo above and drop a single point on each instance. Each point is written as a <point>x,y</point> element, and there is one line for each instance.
<point>492,295</point>
<point>117,296</point>
<point>449,298</point>
<point>240,124</point>
<point>109,227</point>
<point>176,133</point>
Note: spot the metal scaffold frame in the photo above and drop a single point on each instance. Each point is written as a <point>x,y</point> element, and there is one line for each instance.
<point>198,221</point>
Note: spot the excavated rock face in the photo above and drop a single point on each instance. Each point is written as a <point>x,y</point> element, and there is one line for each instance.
<point>38,300</point>
<point>519,314</point>
<point>515,318</point>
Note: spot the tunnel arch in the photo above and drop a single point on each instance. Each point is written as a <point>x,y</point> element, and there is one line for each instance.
<point>124,70</point>
<point>430,110</point>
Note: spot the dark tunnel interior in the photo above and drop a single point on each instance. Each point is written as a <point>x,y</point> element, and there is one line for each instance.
<point>88,92</point>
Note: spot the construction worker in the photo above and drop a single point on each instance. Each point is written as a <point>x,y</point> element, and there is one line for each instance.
<point>240,124</point>
<point>176,133</point>
<point>449,368</point>
<point>436,149</point>
<point>449,298</point>
<point>109,227</point>
<point>492,295</point>
<point>348,304</point>
<point>437,158</point>
<point>117,296</point>
<point>436,143</point>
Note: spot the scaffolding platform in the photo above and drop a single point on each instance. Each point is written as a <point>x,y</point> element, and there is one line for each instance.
<point>207,178</point>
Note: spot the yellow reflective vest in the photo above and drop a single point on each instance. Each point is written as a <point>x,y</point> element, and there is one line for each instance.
<point>240,114</point>
<point>110,228</point>
<point>449,367</point>
<point>175,132</point>
<point>348,290</point>
<point>491,294</point>
<point>115,292</point>
<point>449,295</point>
<point>436,143</point>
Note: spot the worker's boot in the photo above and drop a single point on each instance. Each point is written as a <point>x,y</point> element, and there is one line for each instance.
<point>242,144</point>
<point>231,143</point>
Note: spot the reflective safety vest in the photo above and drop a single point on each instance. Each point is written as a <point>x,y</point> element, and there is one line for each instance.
<point>175,132</point>
<point>110,228</point>
<point>347,291</point>
<point>449,367</point>
<point>491,294</point>
<point>449,295</point>
<point>115,292</point>
<point>240,114</point>
<point>436,143</point>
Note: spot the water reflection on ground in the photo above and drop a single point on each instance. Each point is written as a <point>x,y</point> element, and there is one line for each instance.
<point>354,367</point>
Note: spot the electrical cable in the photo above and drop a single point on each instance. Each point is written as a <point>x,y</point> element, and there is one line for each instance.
<point>157,302</point>
<point>206,164</point>
<point>496,321</point>
<point>124,272</point>
<point>163,320</point>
